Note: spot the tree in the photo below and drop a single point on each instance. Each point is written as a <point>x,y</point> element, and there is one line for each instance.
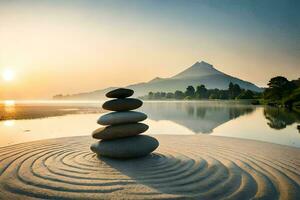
<point>246,94</point>
<point>214,94</point>
<point>157,95</point>
<point>170,95</point>
<point>292,99</point>
<point>190,91</point>
<point>163,94</point>
<point>223,94</point>
<point>230,87</point>
<point>234,90</point>
<point>150,95</point>
<point>279,87</point>
<point>201,92</point>
<point>296,82</point>
<point>179,94</point>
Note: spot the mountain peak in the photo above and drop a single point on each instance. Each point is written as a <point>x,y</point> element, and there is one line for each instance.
<point>202,64</point>
<point>198,69</point>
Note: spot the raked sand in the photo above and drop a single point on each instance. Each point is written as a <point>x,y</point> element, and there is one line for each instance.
<point>183,167</point>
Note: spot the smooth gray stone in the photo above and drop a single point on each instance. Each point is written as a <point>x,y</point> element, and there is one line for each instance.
<point>120,93</point>
<point>122,104</point>
<point>119,131</point>
<point>131,147</point>
<point>114,118</point>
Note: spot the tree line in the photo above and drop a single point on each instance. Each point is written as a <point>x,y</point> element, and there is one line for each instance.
<point>280,92</point>
<point>234,91</point>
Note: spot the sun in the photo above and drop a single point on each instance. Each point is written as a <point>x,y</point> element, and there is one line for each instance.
<point>8,75</point>
<point>8,103</point>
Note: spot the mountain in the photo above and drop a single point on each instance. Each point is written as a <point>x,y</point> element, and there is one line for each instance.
<point>199,73</point>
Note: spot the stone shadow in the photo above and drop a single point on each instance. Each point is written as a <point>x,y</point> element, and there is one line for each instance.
<point>179,176</point>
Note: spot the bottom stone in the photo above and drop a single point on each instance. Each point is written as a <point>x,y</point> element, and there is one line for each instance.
<point>130,147</point>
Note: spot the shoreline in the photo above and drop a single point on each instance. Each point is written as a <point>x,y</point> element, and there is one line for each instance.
<point>158,135</point>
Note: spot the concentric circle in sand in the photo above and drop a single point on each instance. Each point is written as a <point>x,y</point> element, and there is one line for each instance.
<point>183,167</point>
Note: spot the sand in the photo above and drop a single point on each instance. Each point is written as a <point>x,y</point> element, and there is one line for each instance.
<point>183,167</point>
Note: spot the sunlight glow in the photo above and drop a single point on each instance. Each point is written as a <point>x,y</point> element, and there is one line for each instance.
<point>8,103</point>
<point>8,75</point>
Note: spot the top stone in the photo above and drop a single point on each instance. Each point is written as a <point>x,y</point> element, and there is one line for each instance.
<point>120,93</point>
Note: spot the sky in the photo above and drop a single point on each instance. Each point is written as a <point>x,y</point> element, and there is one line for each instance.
<point>55,46</point>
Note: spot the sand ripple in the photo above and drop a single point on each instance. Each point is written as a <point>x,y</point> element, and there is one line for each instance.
<point>189,167</point>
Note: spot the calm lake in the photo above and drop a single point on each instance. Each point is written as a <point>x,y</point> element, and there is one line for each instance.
<point>28,121</point>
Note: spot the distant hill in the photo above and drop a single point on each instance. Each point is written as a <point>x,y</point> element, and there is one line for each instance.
<point>199,73</point>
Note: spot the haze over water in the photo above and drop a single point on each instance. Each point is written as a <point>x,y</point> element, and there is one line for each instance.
<point>218,118</point>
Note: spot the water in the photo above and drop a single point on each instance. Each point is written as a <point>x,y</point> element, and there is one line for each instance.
<point>28,121</point>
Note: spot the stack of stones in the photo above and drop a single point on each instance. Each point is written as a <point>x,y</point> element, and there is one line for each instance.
<point>120,138</point>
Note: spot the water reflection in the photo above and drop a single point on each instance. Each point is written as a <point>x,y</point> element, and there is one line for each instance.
<point>10,109</point>
<point>21,123</point>
<point>205,116</point>
<point>9,123</point>
<point>280,118</point>
<point>199,117</point>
